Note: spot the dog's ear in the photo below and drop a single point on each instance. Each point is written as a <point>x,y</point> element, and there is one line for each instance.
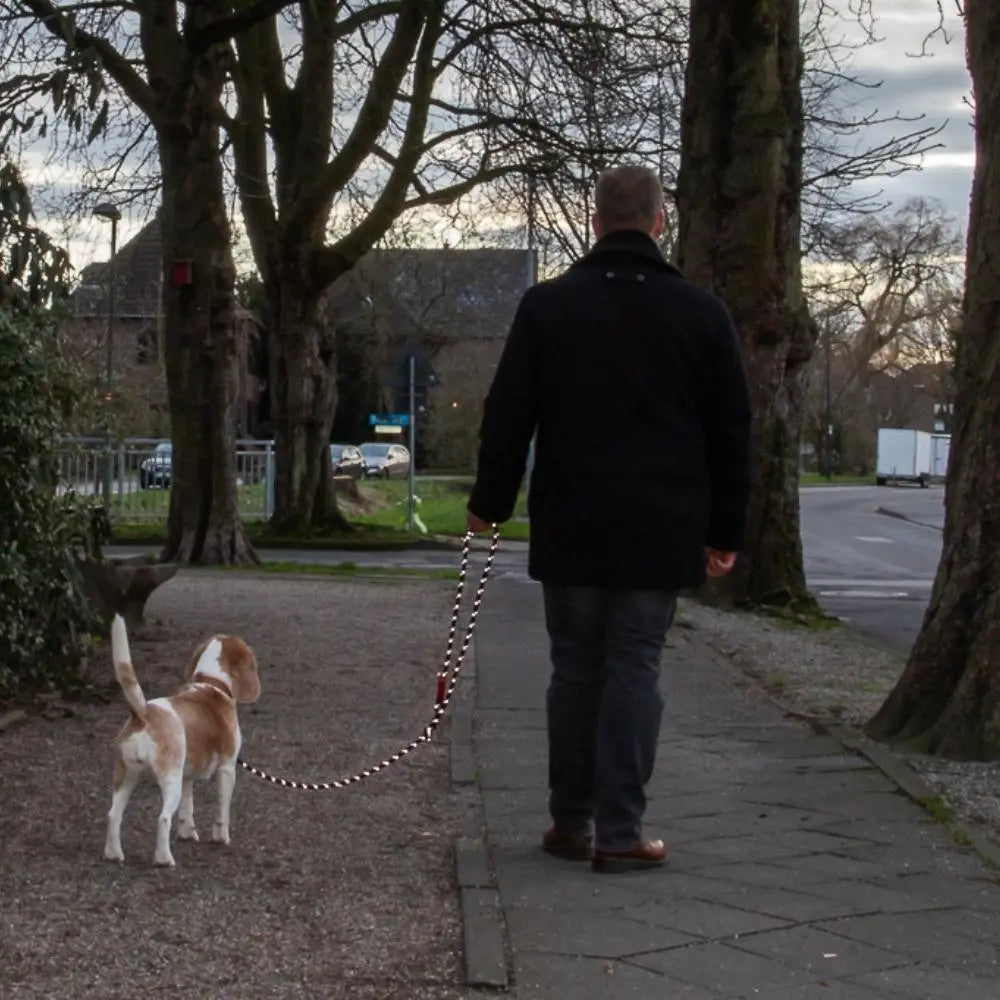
<point>195,657</point>
<point>241,665</point>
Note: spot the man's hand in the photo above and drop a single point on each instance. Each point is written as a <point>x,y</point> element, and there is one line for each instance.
<point>718,563</point>
<point>475,523</point>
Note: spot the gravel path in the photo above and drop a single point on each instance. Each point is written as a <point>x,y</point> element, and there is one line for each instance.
<point>328,894</point>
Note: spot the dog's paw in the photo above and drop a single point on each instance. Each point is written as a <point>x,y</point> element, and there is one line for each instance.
<point>113,853</point>
<point>187,832</point>
<point>166,860</point>
<point>220,833</point>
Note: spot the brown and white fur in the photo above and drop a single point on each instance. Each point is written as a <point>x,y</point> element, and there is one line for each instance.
<point>192,734</point>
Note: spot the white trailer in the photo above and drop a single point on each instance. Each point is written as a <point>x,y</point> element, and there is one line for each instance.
<point>904,455</point>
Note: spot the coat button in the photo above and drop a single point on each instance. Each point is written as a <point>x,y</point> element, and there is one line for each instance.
<point>640,277</point>
<point>610,274</point>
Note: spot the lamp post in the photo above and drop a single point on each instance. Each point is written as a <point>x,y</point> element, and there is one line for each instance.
<point>110,213</point>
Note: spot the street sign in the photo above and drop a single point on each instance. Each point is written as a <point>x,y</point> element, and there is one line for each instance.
<point>389,419</point>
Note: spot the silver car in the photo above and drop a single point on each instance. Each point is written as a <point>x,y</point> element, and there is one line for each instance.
<point>385,461</point>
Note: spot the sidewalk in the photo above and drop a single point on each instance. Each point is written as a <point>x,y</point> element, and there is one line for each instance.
<point>798,871</point>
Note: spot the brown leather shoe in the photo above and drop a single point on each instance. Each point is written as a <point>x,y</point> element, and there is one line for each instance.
<point>569,846</point>
<point>648,854</point>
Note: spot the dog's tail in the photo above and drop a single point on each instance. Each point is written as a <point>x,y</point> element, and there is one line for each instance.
<point>123,668</point>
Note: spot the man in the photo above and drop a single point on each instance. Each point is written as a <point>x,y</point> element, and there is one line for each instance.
<point>630,378</point>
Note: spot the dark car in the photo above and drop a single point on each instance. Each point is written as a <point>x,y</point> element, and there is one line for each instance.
<point>157,469</point>
<point>347,460</point>
<point>385,461</point>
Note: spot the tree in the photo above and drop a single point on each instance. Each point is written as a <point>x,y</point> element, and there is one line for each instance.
<point>739,209</point>
<point>368,115</point>
<point>948,699</point>
<point>884,293</point>
<point>178,87</point>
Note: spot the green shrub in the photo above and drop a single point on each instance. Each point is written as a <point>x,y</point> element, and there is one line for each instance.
<point>45,621</point>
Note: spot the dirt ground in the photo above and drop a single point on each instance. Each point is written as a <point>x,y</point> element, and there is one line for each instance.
<point>321,894</point>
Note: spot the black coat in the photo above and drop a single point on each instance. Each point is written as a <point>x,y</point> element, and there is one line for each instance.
<point>633,379</point>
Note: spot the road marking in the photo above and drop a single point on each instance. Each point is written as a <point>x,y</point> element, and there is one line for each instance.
<point>872,594</point>
<point>878,539</point>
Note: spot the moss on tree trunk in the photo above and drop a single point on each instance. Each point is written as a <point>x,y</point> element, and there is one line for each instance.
<point>948,699</point>
<point>739,212</point>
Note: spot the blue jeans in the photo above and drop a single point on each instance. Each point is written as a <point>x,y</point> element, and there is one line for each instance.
<point>604,707</point>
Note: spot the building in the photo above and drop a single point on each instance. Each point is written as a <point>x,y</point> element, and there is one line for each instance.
<point>454,308</point>
<point>139,396</point>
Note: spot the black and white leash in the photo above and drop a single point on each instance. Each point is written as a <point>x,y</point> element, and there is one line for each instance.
<point>447,680</point>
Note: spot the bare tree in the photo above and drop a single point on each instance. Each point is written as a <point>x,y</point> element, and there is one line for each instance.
<point>168,63</point>
<point>884,296</point>
<point>948,698</point>
<point>372,114</point>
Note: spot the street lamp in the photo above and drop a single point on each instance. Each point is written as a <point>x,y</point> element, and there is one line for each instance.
<point>105,210</point>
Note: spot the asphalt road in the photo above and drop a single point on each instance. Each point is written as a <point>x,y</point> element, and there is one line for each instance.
<point>872,570</point>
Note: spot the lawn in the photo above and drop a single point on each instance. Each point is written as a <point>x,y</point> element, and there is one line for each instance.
<point>441,507</point>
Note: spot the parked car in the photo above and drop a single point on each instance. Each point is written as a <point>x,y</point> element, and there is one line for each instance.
<point>385,461</point>
<point>347,460</point>
<point>157,469</point>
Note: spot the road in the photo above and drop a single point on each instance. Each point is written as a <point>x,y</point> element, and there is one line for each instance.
<point>872,570</point>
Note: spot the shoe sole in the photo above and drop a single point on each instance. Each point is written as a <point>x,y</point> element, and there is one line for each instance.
<point>608,866</point>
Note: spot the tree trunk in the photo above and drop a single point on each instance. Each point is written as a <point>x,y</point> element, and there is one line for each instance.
<point>739,223</point>
<point>203,524</point>
<point>948,699</point>
<point>303,400</point>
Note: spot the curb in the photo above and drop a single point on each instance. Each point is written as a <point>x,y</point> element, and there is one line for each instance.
<point>484,940</point>
<point>911,784</point>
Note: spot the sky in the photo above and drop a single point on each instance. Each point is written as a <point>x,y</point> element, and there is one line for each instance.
<point>934,85</point>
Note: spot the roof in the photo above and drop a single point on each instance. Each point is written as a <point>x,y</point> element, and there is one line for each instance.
<point>138,274</point>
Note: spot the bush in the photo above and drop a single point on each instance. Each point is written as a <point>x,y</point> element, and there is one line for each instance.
<point>45,620</point>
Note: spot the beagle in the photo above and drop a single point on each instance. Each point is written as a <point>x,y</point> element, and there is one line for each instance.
<point>192,734</point>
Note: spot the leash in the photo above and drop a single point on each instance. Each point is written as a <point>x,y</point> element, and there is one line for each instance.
<point>447,681</point>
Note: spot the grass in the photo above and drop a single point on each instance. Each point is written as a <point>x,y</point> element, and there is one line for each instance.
<point>441,507</point>
<point>818,479</point>
<point>346,569</point>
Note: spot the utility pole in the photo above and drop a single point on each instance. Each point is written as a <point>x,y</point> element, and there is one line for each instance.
<point>111,213</point>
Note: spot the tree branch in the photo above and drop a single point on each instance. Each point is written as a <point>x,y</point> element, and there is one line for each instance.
<point>115,64</point>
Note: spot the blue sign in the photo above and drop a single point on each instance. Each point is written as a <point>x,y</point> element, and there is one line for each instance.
<point>389,419</point>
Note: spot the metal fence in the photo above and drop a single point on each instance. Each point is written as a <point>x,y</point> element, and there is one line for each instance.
<point>141,475</point>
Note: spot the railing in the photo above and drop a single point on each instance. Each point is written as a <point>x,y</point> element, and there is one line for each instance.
<point>140,486</point>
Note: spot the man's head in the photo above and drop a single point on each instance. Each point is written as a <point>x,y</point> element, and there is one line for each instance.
<point>628,198</point>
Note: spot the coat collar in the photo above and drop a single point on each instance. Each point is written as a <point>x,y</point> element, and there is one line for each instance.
<point>628,243</point>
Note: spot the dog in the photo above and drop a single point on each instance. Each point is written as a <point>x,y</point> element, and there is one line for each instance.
<point>193,734</point>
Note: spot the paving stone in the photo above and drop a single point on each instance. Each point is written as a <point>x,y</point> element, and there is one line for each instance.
<point>834,989</point>
<point>596,935</point>
<point>925,982</point>
<point>931,935</point>
<point>554,977</point>
<point>727,970</point>
<point>826,955</point>
<point>713,921</point>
